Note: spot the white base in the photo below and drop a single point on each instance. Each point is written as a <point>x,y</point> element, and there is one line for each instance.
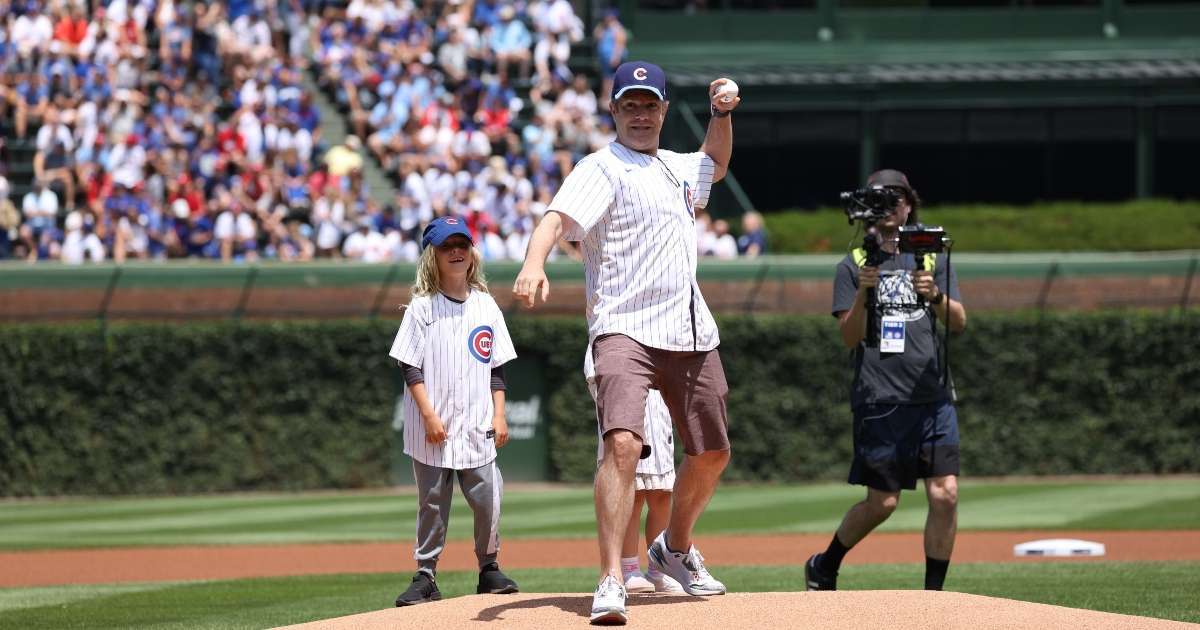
<point>1059,547</point>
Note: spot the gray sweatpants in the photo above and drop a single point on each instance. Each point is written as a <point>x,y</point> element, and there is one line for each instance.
<point>482,488</point>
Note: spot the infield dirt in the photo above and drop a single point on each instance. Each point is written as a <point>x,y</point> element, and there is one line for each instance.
<point>144,564</point>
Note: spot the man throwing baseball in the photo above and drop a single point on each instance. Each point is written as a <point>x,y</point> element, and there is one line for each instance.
<point>632,205</point>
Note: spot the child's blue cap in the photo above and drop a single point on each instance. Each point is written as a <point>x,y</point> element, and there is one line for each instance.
<point>443,228</point>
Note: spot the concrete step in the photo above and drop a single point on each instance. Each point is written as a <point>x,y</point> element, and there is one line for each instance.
<point>334,130</point>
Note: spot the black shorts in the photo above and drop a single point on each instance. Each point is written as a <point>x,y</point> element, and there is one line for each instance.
<point>894,445</point>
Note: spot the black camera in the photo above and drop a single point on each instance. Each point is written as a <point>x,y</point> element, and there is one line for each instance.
<point>923,239</point>
<point>870,205</point>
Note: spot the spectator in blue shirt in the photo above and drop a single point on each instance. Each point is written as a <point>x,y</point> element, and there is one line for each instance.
<point>159,229</point>
<point>611,52</point>
<point>33,96</point>
<point>753,241</point>
<point>238,8</point>
<point>308,115</point>
<point>198,237</point>
<point>486,13</point>
<point>511,42</point>
<point>95,85</point>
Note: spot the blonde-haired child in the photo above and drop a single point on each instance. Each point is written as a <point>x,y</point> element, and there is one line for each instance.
<point>451,346</point>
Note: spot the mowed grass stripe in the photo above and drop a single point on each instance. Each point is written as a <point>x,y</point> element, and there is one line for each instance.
<point>387,515</point>
<point>1168,514</point>
<point>780,517</point>
<point>387,518</point>
<point>18,598</point>
<point>378,518</point>
<point>57,510</point>
<point>1164,590</point>
<point>1064,506</point>
<point>982,506</point>
<point>246,516</point>
<point>575,521</point>
<point>49,511</point>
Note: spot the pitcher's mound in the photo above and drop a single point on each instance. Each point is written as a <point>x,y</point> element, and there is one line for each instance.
<point>848,610</point>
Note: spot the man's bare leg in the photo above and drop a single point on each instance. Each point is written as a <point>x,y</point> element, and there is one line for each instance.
<point>614,496</point>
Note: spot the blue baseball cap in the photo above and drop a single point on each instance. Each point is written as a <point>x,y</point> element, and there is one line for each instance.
<point>443,228</point>
<point>640,75</point>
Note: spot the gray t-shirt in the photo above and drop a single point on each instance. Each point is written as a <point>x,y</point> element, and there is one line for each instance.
<point>896,378</point>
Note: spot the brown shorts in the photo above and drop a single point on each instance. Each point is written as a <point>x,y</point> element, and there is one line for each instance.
<point>692,384</point>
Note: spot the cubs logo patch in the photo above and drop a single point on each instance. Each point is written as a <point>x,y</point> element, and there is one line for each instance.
<point>479,342</point>
<point>451,221</point>
<point>688,199</point>
<point>640,74</point>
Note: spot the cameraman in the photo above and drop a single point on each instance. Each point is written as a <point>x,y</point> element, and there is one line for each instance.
<point>905,426</point>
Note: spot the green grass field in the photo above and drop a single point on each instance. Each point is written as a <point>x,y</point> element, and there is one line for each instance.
<point>1165,590</point>
<point>567,512</point>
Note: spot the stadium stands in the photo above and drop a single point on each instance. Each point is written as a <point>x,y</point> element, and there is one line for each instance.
<point>143,129</point>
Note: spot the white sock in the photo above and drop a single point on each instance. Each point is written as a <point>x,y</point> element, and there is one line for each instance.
<point>653,573</point>
<point>629,566</point>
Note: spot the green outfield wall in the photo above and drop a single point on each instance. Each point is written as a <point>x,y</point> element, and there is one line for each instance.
<point>772,284</point>
<point>136,408</point>
<point>207,275</point>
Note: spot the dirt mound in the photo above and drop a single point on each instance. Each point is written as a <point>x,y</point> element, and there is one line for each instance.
<point>848,610</point>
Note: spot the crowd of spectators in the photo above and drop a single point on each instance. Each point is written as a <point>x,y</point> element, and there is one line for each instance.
<point>434,91</point>
<point>167,129</point>
<point>163,129</point>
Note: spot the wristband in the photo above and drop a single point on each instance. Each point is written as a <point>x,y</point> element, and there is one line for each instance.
<point>716,113</point>
<point>941,297</point>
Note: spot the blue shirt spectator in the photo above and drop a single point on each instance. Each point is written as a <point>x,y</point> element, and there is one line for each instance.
<point>238,8</point>
<point>33,91</point>
<point>510,35</point>
<point>753,241</point>
<point>487,13</point>
<point>307,113</point>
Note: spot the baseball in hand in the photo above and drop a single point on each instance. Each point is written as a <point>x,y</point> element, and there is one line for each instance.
<point>727,91</point>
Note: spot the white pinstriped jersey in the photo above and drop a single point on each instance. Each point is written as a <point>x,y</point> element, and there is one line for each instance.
<point>635,216</point>
<point>456,345</point>
<point>658,428</point>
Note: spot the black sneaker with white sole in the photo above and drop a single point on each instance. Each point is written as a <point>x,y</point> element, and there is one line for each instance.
<point>423,589</point>
<point>815,579</point>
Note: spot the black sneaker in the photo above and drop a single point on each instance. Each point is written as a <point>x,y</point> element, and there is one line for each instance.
<point>423,589</point>
<point>492,580</point>
<point>817,580</point>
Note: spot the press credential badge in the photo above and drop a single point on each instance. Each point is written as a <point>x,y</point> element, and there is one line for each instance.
<point>891,334</point>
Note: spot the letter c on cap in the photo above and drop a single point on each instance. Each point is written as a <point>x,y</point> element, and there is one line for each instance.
<point>640,74</point>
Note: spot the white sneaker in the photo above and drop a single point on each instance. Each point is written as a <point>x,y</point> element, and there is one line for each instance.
<point>664,583</point>
<point>687,568</point>
<point>608,604</point>
<point>637,583</point>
